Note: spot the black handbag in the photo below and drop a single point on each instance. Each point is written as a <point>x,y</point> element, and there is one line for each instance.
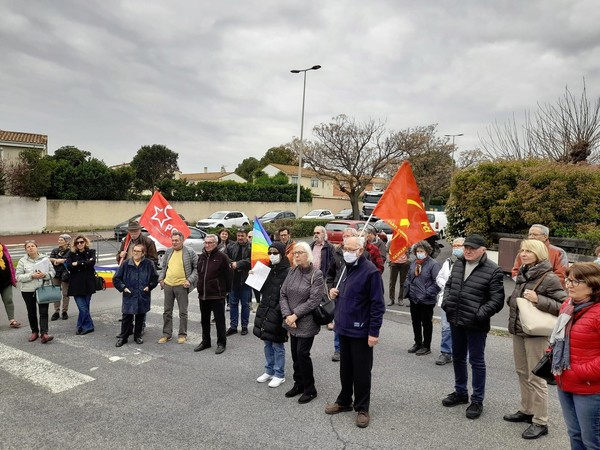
<point>99,282</point>
<point>543,368</point>
<point>323,314</point>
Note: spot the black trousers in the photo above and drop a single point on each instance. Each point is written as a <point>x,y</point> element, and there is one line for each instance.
<point>216,307</point>
<point>422,323</point>
<point>356,362</point>
<point>303,366</point>
<point>32,310</point>
<point>127,325</point>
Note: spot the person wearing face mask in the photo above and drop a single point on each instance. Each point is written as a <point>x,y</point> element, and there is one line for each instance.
<point>359,309</point>
<point>443,275</point>
<point>421,290</point>
<point>268,324</point>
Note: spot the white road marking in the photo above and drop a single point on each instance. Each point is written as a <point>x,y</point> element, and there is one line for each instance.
<point>40,371</point>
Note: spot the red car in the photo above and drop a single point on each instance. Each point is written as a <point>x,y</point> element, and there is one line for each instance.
<point>336,227</point>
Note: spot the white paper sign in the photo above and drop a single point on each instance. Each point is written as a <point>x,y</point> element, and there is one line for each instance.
<point>42,266</point>
<point>258,275</point>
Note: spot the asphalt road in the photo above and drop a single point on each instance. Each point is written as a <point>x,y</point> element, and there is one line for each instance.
<point>82,392</point>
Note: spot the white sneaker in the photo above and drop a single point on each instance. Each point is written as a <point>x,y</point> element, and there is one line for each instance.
<point>264,378</point>
<point>276,382</point>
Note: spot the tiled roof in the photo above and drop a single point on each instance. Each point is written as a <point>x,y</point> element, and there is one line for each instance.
<point>204,176</point>
<point>293,170</point>
<point>25,138</point>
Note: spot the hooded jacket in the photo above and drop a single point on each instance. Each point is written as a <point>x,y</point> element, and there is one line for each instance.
<point>268,324</point>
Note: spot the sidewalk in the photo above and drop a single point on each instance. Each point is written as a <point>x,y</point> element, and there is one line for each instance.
<point>52,238</point>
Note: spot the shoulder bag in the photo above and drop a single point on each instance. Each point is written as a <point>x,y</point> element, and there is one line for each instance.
<point>48,293</point>
<point>99,282</point>
<point>543,368</point>
<point>533,321</point>
<point>324,313</point>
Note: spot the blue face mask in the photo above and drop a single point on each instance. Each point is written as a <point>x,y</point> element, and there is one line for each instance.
<point>421,255</point>
<point>458,252</point>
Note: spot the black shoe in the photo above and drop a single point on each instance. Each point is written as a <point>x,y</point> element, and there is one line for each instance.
<point>55,316</point>
<point>138,340</point>
<point>414,348</point>
<point>305,398</point>
<point>220,349</point>
<point>293,392</point>
<point>87,331</point>
<point>474,410</point>
<point>455,399</point>
<point>518,417</point>
<point>391,303</point>
<point>64,316</point>
<point>244,331</point>
<point>423,351</point>
<point>231,331</point>
<point>120,343</point>
<point>535,431</point>
<point>80,332</point>
<point>201,346</point>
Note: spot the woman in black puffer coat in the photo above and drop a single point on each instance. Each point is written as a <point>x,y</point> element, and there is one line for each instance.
<point>268,322</point>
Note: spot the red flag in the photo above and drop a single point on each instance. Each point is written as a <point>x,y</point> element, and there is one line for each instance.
<point>160,219</point>
<point>401,207</point>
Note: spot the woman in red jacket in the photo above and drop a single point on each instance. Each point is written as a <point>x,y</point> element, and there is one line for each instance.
<point>576,356</point>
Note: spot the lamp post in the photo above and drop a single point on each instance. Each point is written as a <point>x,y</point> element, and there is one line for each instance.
<point>317,67</point>
<point>453,147</point>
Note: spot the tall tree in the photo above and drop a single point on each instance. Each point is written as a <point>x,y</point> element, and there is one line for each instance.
<point>350,153</point>
<point>279,155</point>
<point>31,175</point>
<point>153,163</point>
<point>71,155</point>
<point>247,168</point>
<point>567,131</point>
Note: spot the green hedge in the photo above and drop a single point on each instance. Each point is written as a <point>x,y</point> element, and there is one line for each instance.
<point>509,196</point>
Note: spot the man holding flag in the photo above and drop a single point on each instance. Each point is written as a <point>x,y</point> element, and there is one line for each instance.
<point>134,237</point>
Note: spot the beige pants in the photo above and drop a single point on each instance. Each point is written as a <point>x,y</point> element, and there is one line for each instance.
<point>64,287</point>
<point>527,351</point>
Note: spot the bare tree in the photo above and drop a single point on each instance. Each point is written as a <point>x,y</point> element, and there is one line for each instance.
<point>470,158</point>
<point>351,154</point>
<point>567,132</point>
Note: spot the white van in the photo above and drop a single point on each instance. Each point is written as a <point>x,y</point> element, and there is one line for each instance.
<point>438,221</point>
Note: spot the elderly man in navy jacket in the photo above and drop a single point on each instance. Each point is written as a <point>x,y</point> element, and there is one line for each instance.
<point>358,317</point>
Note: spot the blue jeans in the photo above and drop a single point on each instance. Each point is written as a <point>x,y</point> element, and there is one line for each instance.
<point>582,416</point>
<point>446,344</point>
<point>243,295</point>
<point>84,320</point>
<point>336,342</point>
<point>275,359</point>
<point>472,342</point>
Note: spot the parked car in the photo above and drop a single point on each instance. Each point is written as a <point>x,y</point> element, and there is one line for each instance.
<point>438,221</point>
<point>384,230</point>
<point>225,219</point>
<point>319,214</point>
<point>121,228</point>
<point>194,241</point>
<point>344,214</point>
<point>276,215</point>
<point>335,229</point>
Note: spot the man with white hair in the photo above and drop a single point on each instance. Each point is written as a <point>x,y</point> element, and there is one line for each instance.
<point>557,256</point>
<point>322,250</point>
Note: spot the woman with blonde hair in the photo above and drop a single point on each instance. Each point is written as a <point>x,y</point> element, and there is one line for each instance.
<point>537,283</point>
<point>82,280</point>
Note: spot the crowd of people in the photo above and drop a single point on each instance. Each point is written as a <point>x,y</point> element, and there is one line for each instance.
<point>467,286</point>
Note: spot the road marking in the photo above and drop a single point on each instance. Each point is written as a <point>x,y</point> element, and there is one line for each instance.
<point>40,371</point>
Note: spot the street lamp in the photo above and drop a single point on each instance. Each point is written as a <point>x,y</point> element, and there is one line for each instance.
<point>453,147</point>
<point>317,67</point>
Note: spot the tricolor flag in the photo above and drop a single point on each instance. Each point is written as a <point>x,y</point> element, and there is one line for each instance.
<point>160,219</point>
<point>260,244</point>
<point>401,207</point>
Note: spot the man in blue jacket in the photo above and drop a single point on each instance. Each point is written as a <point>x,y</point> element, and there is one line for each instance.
<point>359,309</point>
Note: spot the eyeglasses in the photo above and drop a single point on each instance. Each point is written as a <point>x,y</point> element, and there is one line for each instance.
<point>317,232</point>
<point>272,253</point>
<point>137,251</point>
<point>30,241</point>
<point>299,252</point>
<point>79,242</point>
<point>574,283</point>
<point>210,242</point>
<point>535,234</point>
<point>351,250</point>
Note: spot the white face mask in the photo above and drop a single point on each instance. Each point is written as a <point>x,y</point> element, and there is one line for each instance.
<point>275,259</point>
<point>350,257</point>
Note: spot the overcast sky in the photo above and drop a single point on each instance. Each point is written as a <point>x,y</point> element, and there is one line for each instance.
<point>211,80</point>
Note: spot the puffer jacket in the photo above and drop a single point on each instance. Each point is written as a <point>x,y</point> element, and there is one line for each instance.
<point>422,289</point>
<point>268,324</point>
<point>301,293</point>
<point>25,270</point>
<point>214,275</point>
<point>136,278</point>
<point>472,302</point>
<point>550,293</point>
<point>583,377</point>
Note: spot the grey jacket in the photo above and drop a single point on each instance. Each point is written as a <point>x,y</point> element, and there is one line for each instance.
<point>25,270</point>
<point>190,265</point>
<point>301,293</point>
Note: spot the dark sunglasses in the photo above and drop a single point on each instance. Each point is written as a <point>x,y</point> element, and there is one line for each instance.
<point>272,253</point>
<point>80,242</point>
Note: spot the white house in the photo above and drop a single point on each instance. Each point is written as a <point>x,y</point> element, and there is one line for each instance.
<point>319,186</point>
<point>12,143</point>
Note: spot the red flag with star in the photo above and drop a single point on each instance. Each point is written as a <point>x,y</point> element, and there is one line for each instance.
<point>401,207</point>
<point>160,219</point>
